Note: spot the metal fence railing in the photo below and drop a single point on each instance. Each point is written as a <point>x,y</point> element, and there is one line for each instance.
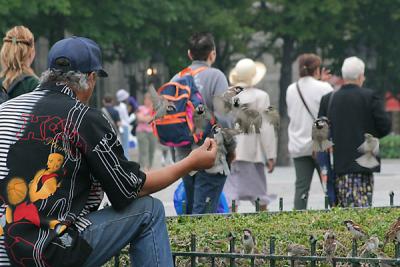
<point>271,259</point>
<point>210,259</point>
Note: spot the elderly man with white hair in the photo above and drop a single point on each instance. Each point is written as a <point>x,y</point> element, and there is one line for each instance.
<point>353,111</point>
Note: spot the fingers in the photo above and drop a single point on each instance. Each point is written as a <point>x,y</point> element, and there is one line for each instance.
<point>213,146</point>
<point>209,144</point>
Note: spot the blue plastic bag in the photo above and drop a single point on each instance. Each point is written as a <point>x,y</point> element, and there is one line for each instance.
<point>180,196</point>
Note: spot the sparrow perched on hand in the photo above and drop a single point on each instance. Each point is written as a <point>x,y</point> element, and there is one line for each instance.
<point>393,234</point>
<point>248,241</point>
<point>201,117</point>
<point>355,230</point>
<point>221,164</point>
<point>272,115</point>
<point>226,102</point>
<point>320,135</point>
<point>369,149</point>
<point>248,120</point>
<point>370,246</point>
<point>161,105</point>
<point>330,245</point>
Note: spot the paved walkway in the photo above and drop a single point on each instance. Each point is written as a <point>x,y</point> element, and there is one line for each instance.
<point>281,183</point>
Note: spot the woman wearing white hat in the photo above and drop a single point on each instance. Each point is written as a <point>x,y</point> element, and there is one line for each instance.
<point>247,180</point>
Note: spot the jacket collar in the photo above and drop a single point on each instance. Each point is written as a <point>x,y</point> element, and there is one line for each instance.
<point>350,86</point>
<point>57,87</point>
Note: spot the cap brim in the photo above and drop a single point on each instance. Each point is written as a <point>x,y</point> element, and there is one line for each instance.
<point>102,73</point>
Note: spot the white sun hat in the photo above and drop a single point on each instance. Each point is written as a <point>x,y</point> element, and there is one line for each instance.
<point>247,73</point>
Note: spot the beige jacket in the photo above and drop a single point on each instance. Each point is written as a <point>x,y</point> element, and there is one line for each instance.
<point>256,147</point>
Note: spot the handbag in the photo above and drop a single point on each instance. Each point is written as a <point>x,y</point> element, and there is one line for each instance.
<point>324,160</point>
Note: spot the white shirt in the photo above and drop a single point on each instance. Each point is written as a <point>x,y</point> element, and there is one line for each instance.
<point>123,114</point>
<point>300,125</point>
<point>256,147</point>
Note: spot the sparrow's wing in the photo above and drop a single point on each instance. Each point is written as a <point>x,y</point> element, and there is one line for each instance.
<point>221,106</point>
<point>155,97</point>
<point>367,161</point>
<point>375,149</point>
<point>363,148</point>
<point>358,228</point>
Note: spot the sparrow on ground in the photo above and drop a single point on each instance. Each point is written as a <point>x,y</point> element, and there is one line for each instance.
<point>248,241</point>
<point>356,230</point>
<point>393,234</point>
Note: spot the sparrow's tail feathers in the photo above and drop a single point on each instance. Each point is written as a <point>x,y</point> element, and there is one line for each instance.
<point>367,161</point>
<point>321,146</point>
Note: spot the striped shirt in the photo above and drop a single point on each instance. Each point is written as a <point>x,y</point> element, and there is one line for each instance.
<point>57,155</point>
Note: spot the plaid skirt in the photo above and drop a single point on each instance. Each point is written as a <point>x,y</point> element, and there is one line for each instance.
<point>354,189</point>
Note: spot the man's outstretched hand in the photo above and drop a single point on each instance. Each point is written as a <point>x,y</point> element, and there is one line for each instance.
<point>204,157</point>
<point>201,158</point>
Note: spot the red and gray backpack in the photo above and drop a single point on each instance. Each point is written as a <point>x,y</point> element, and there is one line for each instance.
<point>176,129</point>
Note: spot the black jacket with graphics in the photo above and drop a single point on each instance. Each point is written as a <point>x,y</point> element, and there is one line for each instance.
<point>57,155</point>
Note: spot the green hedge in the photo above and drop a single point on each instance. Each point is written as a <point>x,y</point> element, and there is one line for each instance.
<point>390,147</point>
<point>287,227</point>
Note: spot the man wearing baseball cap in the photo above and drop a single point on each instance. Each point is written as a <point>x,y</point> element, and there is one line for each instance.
<point>57,158</point>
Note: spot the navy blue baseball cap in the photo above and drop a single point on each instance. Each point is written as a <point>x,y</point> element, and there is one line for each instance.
<point>76,54</point>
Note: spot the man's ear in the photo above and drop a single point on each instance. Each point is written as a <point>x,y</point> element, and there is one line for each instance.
<point>212,56</point>
<point>92,78</point>
<point>190,55</point>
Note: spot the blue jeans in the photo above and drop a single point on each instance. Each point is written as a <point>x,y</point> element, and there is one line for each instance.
<point>203,191</point>
<point>141,225</point>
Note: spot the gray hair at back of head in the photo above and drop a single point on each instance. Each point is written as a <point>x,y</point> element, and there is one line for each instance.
<point>352,68</point>
<point>75,80</point>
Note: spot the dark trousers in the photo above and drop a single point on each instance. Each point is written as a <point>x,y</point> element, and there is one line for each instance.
<point>203,191</point>
<point>304,167</point>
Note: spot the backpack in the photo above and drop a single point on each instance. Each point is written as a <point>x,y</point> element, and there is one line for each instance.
<point>176,129</point>
<point>5,94</point>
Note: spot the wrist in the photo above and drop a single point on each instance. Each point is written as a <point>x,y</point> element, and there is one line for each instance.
<point>189,163</point>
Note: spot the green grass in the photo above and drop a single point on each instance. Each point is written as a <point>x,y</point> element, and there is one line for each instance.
<point>287,227</point>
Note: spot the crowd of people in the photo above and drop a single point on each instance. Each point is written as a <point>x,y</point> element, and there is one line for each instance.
<point>58,156</point>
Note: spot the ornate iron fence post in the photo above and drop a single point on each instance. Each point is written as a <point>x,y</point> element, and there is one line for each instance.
<point>193,249</point>
<point>208,205</point>
<point>183,207</point>
<point>272,249</point>
<point>258,204</point>
<point>397,250</point>
<point>281,204</point>
<point>233,206</point>
<point>313,246</point>
<point>326,202</point>
<point>391,195</point>
<point>354,252</point>
<point>232,249</point>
